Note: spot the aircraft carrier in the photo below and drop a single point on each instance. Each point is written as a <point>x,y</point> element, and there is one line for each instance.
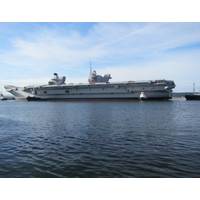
<point>98,87</point>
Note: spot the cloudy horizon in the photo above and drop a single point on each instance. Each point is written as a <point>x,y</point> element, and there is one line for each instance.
<point>31,52</point>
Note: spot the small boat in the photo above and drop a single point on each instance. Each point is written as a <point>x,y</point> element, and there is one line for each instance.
<point>193,96</point>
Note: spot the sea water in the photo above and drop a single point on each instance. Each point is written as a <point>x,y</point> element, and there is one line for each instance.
<point>100,139</point>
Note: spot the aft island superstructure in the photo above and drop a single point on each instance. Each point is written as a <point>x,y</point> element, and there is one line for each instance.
<point>98,87</point>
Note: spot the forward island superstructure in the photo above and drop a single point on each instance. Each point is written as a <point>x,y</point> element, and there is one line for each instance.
<point>98,87</point>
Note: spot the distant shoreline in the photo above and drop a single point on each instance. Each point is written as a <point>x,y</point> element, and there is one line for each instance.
<point>180,94</point>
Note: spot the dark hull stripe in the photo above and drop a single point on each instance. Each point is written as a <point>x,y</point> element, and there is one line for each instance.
<point>95,99</point>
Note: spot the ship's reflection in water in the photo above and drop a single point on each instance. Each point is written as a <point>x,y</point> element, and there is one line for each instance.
<point>100,139</point>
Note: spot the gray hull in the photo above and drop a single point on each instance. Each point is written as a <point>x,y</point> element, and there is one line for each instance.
<point>96,98</point>
<point>113,91</point>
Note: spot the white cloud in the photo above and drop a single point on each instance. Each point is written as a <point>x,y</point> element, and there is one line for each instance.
<point>116,44</point>
<point>104,40</point>
<point>182,68</point>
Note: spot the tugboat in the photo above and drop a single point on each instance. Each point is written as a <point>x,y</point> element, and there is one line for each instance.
<point>194,95</point>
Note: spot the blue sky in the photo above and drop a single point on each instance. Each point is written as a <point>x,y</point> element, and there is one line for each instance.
<point>31,52</point>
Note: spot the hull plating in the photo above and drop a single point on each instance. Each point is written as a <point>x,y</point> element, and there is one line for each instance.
<point>143,91</point>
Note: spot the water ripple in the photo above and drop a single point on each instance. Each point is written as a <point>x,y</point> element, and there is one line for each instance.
<point>100,139</point>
